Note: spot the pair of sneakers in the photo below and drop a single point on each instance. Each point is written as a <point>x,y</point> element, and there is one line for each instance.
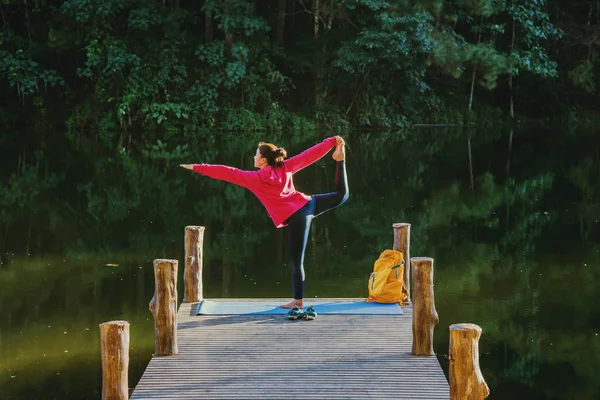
<point>297,312</point>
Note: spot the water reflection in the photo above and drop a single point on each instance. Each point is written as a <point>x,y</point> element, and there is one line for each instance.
<point>515,247</point>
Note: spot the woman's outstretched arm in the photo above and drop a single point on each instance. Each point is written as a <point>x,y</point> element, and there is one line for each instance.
<point>223,173</point>
<point>311,155</point>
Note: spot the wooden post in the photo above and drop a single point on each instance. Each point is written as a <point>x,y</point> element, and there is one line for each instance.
<point>402,244</point>
<point>114,346</point>
<point>425,316</point>
<point>192,277</point>
<point>164,307</point>
<point>466,381</point>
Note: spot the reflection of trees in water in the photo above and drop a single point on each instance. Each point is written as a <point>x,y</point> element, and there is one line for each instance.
<point>141,201</point>
<point>585,176</point>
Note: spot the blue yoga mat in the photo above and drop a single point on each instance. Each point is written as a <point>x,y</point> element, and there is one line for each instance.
<point>208,307</point>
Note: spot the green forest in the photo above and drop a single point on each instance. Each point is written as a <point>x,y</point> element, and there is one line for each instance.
<point>155,69</point>
<point>102,99</point>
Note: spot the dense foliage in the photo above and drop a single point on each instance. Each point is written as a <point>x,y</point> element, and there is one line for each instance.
<point>176,67</point>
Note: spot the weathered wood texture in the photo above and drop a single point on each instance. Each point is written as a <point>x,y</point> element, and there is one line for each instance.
<point>466,381</point>
<point>402,244</point>
<point>164,307</point>
<point>271,357</point>
<point>192,276</point>
<point>114,348</point>
<point>425,316</point>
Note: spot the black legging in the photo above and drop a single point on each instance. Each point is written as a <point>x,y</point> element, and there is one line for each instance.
<point>299,224</point>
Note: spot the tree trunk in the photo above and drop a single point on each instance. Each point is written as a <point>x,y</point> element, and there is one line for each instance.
<point>229,34</point>
<point>512,117</point>
<point>3,16</point>
<point>317,72</point>
<point>471,166</point>
<point>164,307</point>
<point>114,348</point>
<point>27,23</point>
<point>472,87</point>
<point>472,184</point>
<point>192,277</point>
<point>208,28</point>
<point>508,157</point>
<point>466,381</point>
<point>475,68</point>
<point>228,44</point>
<point>510,142</point>
<point>281,22</point>
<point>425,316</point>
<point>510,77</point>
<point>402,244</point>
<point>316,19</point>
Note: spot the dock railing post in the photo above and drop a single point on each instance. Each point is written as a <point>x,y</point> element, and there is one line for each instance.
<point>466,381</point>
<point>425,316</point>
<point>114,348</point>
<point>192,276</point>
<point>164,307</point>
<point>402,244</point>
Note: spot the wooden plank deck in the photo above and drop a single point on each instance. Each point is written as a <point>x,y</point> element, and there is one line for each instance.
<point>271,357</point>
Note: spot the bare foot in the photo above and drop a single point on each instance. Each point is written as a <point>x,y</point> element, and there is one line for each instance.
<point>292,303</point>
<point>340,152</point>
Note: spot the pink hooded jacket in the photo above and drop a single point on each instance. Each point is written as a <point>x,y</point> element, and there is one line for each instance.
<point>274,186</point>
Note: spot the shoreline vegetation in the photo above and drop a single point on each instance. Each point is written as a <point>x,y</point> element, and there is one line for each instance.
<point>148,71</point>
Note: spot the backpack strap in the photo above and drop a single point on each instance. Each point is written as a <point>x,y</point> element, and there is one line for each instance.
<point>396,268</point>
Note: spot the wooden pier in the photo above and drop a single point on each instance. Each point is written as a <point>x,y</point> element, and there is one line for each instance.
<point>335,356</point>
<point>271,357</point>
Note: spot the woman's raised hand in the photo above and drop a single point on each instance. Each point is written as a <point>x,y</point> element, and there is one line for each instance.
<point>340,149</point>
<point>187,166</point>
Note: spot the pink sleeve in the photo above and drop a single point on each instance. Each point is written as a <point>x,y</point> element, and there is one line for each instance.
<point>227,174</point>
<point>309,156</point>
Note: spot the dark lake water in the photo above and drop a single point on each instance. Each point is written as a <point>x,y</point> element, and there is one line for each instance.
<point>510,218</point>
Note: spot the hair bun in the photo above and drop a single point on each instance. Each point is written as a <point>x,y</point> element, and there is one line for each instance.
<point>280,152</point>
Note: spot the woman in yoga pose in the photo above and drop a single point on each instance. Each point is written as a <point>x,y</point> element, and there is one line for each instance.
<point>273,184</point>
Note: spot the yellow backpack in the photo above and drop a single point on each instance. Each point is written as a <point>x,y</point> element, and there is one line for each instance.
<point>385,282</point>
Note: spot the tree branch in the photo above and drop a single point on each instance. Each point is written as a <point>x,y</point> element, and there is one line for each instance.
<point>312,13</point>
<point>2,12</point>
